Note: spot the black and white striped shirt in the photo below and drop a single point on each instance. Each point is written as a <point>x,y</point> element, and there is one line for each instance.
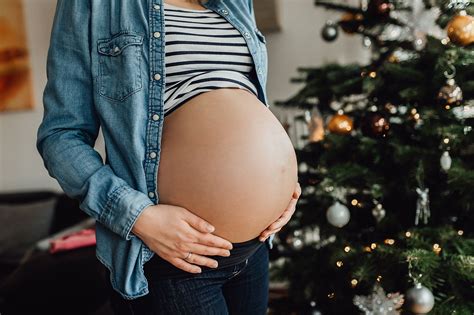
<point>203,51</point>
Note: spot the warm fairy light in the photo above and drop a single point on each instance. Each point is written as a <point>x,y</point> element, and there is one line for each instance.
<point>372,74</point>
<point>416,116</point>
<point>446,140</point>
<point>331,295</point>
<point>339,263</point>
<point>389,241</point>
<point>379,278</point>
<point>354,202</point>
<point>460,232</point>
<point>392,58</point>
<point>367,249</point>
<point>447,107</point>
<point>373,246</point>
<point>347,249</point>
<point>445,41</point>
<point>436,248</point>
<point>354,282</point>
<point>408,234</point>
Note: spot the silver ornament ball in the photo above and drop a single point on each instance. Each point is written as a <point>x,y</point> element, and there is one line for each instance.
<point>420,299</point>
<point>338,215</point>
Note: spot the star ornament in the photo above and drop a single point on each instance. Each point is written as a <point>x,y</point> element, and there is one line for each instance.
<point>379,303</point>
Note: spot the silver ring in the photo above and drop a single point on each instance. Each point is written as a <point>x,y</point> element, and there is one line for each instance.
<point>189,254</point>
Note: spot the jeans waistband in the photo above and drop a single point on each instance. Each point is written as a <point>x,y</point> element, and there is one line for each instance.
<point>240,252</point>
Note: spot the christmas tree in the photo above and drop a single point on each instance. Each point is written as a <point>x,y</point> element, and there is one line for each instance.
<point>384,221</point>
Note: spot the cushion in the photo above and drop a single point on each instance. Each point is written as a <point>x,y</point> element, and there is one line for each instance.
<point>22,226</point>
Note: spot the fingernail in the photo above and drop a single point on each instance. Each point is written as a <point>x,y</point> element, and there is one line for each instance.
<point>210,228</point>
<point>198,270</point>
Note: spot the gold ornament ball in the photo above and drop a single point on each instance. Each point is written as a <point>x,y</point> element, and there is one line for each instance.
<point>341,124</point>
<point>461,30</point>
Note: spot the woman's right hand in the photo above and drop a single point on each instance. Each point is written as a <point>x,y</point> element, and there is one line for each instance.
<point>172,232</point>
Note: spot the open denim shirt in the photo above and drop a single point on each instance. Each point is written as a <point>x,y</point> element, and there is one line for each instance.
<point>105,68</point>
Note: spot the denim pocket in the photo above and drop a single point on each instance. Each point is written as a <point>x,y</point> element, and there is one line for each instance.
<point>120,65</point>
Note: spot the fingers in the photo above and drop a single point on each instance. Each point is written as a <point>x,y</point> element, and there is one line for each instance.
<point>297,192</point>
<point>197,222</point>
<point>211,240</point>
<point>177,258</point>
<point>184,265</point>
<point>200,260</point>
<point>267,233</point>
<point>206,250</point>
<point>284,219</point>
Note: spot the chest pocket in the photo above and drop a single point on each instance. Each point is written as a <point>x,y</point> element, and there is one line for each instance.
<point>120,58</point>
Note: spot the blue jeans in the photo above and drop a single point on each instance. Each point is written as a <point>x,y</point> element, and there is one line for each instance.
<point>237,289</point>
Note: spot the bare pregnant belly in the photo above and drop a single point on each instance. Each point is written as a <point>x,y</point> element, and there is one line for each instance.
<point>226,158</point>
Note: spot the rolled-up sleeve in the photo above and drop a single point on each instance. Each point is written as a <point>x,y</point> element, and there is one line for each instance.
<point>70,126</point>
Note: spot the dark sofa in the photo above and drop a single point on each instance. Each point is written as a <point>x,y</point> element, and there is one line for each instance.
<point>69,282</point>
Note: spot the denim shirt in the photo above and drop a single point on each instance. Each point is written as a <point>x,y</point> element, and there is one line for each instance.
<point>105,69</point>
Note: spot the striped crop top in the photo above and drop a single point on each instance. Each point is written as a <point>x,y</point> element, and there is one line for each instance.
<point>203,51</point>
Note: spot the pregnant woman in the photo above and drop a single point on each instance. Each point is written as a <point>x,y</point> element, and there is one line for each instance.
<point>196,147</point>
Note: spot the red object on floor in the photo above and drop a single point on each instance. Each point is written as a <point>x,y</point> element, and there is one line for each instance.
<point>82,238</point>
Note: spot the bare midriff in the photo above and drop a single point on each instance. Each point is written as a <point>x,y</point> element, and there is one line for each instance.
<point>226,158</point>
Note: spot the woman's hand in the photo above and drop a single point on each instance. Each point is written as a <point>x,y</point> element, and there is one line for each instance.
<point>172,232</point>
<point>284,218</point>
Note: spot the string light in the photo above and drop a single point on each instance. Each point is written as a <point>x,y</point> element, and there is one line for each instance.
<point>373,246</point>
<point>331,295</point>
<point>354,282</point>
<point>408,234</point>
<point>379,278</point>
<point>367,249</point>
<point>339,263</point>
<point>460,232</point>
<point>347,249</point>
<point>354,202</point>
<point>436,248</point>
<point>389,241</point>
<point>372,74</point>
<point>446,140</point>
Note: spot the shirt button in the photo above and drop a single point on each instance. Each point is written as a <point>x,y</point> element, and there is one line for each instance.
<point>224,11</point>
<point>153,155</point>
<point>157,76</point>
<point>156,117</point>
<point>156,6</point>
<point>246,34</point>
<point>151,194</point>
<point>156,34</point>
<point>259,71</point>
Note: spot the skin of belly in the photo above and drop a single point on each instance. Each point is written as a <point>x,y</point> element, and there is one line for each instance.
<point>226,158</point>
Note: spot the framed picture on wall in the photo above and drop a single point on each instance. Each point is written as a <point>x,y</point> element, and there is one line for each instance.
<point>16,90</point>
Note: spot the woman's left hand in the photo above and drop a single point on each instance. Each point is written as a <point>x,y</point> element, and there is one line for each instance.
<point>284,218</point>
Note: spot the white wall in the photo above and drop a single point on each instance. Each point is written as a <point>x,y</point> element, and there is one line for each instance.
<point>298,44</point>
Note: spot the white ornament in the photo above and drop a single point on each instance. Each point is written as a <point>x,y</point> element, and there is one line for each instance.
<point>445,161</point>
<point>338,215</point>
<point>422,206</point>
<point>420,299</point>
<point>378,212</point>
